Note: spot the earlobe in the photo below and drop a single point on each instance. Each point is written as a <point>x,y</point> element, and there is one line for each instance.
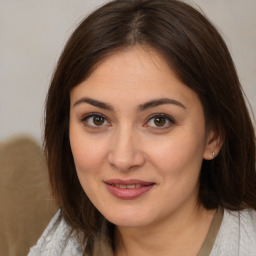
<point>213,146</point>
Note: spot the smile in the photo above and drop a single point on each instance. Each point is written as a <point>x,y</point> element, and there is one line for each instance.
<point>128,186</point>
<point>128,189</point>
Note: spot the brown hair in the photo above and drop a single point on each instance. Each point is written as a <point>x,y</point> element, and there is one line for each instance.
<point>197,53</point>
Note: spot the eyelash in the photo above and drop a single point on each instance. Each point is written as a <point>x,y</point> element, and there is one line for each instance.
<point>166,117</point>
<point>85,118</point>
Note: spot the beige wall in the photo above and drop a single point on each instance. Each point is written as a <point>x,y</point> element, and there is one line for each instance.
<point>33,34</point>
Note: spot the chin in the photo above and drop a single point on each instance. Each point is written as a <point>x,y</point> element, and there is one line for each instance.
<point>128,219</point>
<point>129,222</point>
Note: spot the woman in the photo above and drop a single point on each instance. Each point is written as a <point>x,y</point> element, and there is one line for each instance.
<point>149,144</point>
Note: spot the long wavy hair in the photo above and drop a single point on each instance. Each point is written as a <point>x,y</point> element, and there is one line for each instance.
<point>196,52</point>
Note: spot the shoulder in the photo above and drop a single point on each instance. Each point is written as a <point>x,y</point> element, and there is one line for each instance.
<point>237,234</point>
<point>57,240</point>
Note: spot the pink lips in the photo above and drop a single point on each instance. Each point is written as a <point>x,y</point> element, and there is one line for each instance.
<point>128,189</point>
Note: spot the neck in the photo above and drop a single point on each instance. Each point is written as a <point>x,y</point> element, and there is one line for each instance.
<point>181,234</point>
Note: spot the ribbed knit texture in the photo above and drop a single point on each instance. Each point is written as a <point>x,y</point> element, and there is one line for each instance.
<point>236,237</point>
<point>237,234</point>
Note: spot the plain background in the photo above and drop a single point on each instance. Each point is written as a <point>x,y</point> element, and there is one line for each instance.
<point>33,34</point>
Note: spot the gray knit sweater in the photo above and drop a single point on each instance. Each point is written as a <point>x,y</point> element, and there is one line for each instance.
<point>236,237</point>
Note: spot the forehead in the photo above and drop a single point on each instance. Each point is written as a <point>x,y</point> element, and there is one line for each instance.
<point>139,73</point>
<point>137,61</point>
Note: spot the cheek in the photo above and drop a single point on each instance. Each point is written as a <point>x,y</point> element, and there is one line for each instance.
<point>179,153</point>
<point>88,152</point>
<point>88,157</point>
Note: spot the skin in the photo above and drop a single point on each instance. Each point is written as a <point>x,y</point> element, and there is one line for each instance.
<point>129,143</point>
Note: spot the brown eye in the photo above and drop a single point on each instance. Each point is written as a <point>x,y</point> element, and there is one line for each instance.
<point>95,121</point>
<point>98,120</point>
<point>159,121</point>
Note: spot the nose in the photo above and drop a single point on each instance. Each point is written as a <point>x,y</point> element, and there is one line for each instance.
<point>126,152</point>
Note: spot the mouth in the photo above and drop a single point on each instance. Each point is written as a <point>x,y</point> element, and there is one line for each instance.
<point>127,186</point>
<point>128,189</point>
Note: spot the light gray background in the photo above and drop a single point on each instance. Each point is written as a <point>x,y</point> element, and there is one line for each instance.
<point>33,34</point>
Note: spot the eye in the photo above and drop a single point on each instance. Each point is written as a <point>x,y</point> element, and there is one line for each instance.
<point>160,121</point>
<point>95,120</point>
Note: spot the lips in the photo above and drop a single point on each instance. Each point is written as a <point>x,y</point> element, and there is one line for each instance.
<point>132,186</point>
<point>128,189</point>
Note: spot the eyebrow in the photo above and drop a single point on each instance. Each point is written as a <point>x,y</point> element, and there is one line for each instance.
<point>158,102</point>
<point>141,107</point>
<point>95,103</point>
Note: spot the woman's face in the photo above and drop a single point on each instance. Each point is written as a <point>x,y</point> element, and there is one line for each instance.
<point>138,138</point>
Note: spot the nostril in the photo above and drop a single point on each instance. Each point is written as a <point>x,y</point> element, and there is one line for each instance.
<point>125,161</point>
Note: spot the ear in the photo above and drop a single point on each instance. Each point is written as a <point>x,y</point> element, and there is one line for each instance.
<point>213,145</point>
